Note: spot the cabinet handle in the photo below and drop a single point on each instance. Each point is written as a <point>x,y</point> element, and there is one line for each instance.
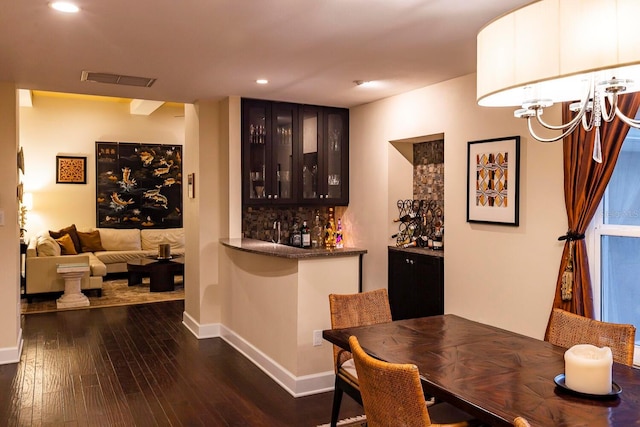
<point>275,196</point>
<point>322,196</point>
<point>269,196</point>
<point>326,196</point>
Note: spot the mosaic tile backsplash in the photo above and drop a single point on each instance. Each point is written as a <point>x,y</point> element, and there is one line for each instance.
<point>257,222</point>
<point>428,172</point>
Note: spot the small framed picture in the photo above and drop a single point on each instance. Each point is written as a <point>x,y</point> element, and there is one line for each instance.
<point>493,180</point>
<point>71,170</point>
<point>191,185</point>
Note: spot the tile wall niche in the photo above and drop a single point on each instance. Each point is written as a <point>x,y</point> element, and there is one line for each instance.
<point>428,172</point>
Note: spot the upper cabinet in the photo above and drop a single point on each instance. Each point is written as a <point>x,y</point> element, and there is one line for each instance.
<point>269,152</point>
<point>294,154</point>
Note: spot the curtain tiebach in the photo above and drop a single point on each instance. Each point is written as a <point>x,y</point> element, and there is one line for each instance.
<point>566,289</point>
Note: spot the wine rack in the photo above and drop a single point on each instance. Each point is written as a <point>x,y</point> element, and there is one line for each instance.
<point>418,221</point>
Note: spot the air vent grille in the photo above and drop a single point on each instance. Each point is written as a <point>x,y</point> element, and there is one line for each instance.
<point>116,79</point>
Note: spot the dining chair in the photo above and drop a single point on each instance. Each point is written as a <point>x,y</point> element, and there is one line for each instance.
<point>521,422</point>
<point>351,310</point>
<point>392,395</point>
<point>568,329</point>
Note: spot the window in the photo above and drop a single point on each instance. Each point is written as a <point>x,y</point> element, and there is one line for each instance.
<point>613,242</point>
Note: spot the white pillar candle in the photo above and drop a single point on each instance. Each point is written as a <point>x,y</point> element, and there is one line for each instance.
<point>587,369</point>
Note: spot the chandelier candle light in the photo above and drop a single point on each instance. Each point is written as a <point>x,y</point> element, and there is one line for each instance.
<point>554,51</point>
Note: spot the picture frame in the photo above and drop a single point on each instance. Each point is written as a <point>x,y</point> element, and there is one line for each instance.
<point>493,181</point>
<point>71,170</point>
<point>191,185</point>
<point>21,160</point>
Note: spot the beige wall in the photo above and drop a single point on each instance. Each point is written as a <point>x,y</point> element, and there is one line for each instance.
<point>71,125</point>
<point>501,275</point>
<point>10,333</point>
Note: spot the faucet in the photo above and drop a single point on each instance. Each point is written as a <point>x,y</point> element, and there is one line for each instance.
<point>276,226</point>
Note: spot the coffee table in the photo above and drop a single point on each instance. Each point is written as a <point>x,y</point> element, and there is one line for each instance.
<point>161,272</point>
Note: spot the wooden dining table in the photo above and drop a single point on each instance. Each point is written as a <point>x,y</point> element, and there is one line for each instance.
<point>495,374</point>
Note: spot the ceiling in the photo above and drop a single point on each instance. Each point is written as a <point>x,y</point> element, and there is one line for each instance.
<point>311,51</point>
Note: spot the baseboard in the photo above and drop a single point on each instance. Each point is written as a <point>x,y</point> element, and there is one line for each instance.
<point>12,354</point>
<point>198,330</point>
<point>296,386</point>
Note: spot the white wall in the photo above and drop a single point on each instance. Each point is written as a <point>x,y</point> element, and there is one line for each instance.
<point>70,125</point>
<point>501,275</point>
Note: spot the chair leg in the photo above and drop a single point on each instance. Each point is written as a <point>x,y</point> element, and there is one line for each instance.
<point>337,399</point>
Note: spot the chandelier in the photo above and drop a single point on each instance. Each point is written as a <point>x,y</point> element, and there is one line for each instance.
<point>553,51</point>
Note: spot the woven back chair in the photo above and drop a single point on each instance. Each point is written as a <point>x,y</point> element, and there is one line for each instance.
<point>521,422</point>
<point>392,394</point>
<point>568,329</point>
<point>362,309</point>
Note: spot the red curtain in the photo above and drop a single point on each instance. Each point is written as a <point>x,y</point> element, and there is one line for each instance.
<point>584,184</point>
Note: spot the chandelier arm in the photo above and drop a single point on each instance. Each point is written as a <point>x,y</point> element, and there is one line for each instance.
<point>573,124</point>
<point>631,122</point>
<point>588,126</point>
<point>609,114</point>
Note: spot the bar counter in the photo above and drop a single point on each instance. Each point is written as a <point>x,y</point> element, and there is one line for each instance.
<point>279,250</point>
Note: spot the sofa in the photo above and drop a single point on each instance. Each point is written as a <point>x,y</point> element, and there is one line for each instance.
<point>105,250</point>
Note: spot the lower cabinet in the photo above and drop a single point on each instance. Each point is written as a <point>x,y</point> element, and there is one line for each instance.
<point>416,283</point>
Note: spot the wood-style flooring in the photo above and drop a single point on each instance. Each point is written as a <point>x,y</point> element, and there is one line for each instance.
<point>139,366</point>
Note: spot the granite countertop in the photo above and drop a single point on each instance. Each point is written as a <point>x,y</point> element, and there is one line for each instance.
<point>284,251</point>
<point>419,251</point>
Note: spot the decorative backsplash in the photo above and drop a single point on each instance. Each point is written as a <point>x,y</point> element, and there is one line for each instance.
<point>428,172</point>
<point>257,222</point>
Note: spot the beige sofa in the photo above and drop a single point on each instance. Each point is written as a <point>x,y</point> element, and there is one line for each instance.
<point>120,246</point>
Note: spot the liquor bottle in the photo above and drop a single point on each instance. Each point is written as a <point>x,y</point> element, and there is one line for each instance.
<point>317,239</point>
<point>296,237</point>
<point>306,235</point>
<point>339,236</point>
<point>438,244</point>
<point>330,235</point>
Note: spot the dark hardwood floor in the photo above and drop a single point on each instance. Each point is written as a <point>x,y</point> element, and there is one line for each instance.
<point>138,365</point>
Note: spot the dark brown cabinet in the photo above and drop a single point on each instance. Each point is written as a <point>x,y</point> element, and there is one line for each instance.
<point>294,154</point>
<point>416,283</point>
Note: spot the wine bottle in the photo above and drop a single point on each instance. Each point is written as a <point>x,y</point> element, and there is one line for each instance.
<point>405,218</point>
<point>339,236</point>
<point>317,240</point>
<point>296,237</point>
<point>306,235</point>
<point>437,239</point>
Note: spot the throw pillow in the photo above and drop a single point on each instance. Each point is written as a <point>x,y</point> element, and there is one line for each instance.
<point>47,246</point>
<point>90,242</point>
<point>66,245</point>
<point>72,232</point>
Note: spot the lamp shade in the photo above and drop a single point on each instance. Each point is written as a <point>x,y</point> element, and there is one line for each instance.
<point>550,50</point>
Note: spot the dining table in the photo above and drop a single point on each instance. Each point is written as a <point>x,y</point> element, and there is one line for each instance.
<point>495,374</point>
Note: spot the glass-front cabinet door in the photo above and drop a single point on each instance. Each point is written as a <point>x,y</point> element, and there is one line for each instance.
<point>311,123</point>
<point>285,125</point>
<point>256,132</point>
<point>335,162</point>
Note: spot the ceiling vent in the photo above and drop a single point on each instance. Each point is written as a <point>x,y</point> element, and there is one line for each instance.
<point>116,79</point>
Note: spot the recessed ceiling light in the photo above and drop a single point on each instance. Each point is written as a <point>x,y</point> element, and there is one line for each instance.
<point>64,6</point>
<point>262,81</point>
<point>364,83</point>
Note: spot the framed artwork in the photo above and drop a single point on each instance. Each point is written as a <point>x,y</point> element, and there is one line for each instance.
<point>21,160</point>
<point>191,185</point>
<point>71,170</point>
<point>493,180</point>
<point>138,185</point>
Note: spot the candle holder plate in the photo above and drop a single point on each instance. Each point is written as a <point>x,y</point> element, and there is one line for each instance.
<point>615,389</point>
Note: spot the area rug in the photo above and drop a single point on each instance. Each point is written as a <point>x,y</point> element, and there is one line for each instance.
<point>360,420</point>
<point>114,293</point>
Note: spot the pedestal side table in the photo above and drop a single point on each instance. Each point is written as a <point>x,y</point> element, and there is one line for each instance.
<point>73,297</point>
